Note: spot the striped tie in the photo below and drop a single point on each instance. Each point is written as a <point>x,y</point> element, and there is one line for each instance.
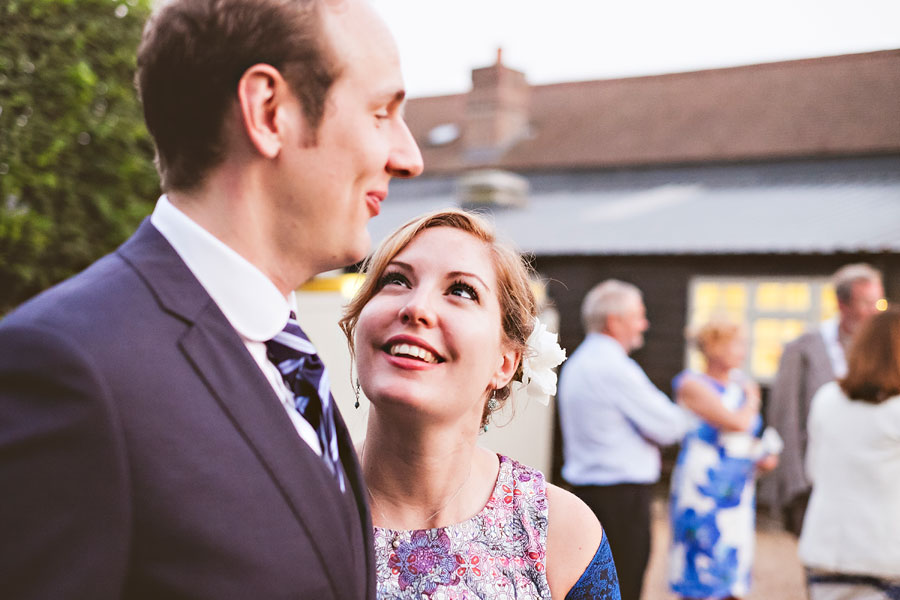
<point>306,376</point>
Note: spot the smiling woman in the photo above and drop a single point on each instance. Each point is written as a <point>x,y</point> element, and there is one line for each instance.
<point>442,332</point>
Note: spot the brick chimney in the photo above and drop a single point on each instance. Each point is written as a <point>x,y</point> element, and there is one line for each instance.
<point>496,111</point>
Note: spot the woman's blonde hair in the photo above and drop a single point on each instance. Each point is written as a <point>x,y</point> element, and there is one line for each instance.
<point>518,305</point>
<point>715,332</point>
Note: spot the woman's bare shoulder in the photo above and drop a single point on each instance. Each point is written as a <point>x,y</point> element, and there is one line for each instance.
<point>573,536</point>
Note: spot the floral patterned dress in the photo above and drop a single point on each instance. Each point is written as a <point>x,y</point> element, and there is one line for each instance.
<point>712,506</point>
<point>498,554</point>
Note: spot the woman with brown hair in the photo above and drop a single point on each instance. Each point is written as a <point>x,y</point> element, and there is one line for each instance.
<point>444,332</point>
<point>850,541</point>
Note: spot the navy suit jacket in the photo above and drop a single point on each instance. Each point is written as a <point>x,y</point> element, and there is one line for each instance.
<point>143,454</point>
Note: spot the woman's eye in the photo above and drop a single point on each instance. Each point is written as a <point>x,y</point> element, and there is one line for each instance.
<point>393,279</point>
<point>464,290</point>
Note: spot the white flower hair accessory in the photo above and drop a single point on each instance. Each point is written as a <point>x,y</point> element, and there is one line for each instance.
<point>542,355</point>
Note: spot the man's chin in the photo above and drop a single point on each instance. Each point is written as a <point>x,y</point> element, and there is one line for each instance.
<point>362,247</point>
<point>357,251</point>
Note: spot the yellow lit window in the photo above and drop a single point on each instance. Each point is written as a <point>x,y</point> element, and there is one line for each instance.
<point>767,340</point>
<point>829,302</point>
<point>775,311</point>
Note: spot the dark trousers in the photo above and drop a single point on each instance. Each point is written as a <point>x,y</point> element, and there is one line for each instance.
<point>624,513</point>
<point>794,513</point>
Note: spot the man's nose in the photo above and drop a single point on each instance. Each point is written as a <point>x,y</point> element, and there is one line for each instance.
<point>405,159</point>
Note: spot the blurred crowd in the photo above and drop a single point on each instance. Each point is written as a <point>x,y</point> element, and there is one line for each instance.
<point>824,451</point>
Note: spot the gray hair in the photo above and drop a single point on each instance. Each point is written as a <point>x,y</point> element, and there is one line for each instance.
<point>845,277</point>
<point>610,297</point>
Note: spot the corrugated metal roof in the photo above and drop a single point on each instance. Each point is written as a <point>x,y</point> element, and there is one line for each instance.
<point>816,207</point>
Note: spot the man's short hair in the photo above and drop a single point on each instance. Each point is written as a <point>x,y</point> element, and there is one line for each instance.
<point>610,297</point>
<point>191,58</point>
<point>848,275</point>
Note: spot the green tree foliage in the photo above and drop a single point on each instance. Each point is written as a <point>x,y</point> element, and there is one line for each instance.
<point>76,161</point>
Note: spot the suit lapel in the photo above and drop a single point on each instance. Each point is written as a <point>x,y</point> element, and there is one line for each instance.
<point>248,399</point>
<point>822,366</point>
<point>219,357</point>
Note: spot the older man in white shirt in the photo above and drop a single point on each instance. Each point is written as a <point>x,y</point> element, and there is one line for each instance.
<point>613,422</point>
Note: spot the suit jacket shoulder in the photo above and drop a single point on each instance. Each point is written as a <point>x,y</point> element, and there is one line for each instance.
<point>150,456</point>
<point>817,362</point>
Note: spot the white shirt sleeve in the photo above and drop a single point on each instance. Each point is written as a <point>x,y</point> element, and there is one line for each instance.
<point>652,413</point>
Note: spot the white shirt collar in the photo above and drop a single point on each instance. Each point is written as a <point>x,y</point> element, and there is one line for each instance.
<point>611,343</point>
<point>249,300</point>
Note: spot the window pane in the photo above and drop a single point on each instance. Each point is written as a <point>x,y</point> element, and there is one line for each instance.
<point>735,298</point>
<point>768,296</point>
<point>829,303</point>
<point>769,337</point>
<point>798,297</point>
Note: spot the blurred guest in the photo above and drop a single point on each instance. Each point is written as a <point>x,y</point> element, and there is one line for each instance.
<point>713,492</point>
<point>806,364</point>
<point>613,420</point>
<point>851,535</point>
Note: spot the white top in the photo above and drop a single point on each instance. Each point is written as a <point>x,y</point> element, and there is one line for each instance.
<point>852,524</point>
<point>249,300</point>
<point>829,332</point>
<point>613,418</point>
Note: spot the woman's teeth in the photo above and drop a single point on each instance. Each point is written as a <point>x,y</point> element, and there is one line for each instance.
<point>413,351</point>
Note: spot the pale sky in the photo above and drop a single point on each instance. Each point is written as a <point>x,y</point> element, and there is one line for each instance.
<point>441,41</point>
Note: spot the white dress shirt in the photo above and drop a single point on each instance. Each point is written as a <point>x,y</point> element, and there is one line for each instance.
<point>852,524</point>
<point>249,300</point>
<point>613,418</point>
<point>829,332</point>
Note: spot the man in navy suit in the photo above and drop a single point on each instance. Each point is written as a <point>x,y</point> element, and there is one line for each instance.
<point>148,446</point>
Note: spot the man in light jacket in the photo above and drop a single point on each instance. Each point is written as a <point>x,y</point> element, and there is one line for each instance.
<point>808,363</point>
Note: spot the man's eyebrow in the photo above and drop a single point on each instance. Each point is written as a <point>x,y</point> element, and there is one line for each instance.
<point>393,99</point>
<point>398,97</point>
<point>398,102</point>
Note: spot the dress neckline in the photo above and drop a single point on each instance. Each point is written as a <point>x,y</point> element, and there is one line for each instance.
<point>713,382</point>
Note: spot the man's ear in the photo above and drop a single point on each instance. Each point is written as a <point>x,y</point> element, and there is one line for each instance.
<point>262,93</point>
<point>611,327</point>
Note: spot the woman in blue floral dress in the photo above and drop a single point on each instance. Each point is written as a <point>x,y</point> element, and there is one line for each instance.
<point>444,332</point>
<point>712,505</point>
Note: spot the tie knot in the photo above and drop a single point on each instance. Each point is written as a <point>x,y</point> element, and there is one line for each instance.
<point>291,344</point>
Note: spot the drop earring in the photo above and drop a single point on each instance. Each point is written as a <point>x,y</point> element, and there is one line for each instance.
<point>492,405</point>
<point>356,391</point>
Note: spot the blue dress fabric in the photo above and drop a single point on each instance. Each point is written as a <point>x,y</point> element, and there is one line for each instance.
<point>599,580</point>
<point>712,505</point>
